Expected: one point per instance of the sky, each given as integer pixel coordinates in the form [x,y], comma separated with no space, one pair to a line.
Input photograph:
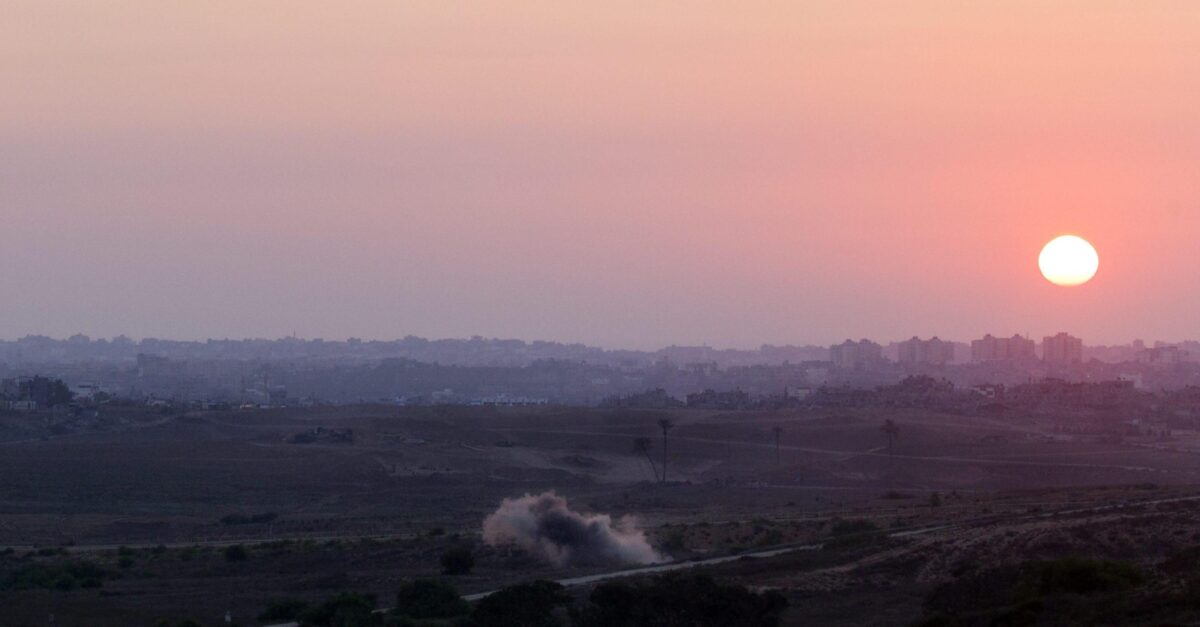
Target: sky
[626,174]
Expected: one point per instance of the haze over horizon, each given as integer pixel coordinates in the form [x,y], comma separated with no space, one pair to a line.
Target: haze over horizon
[627,176]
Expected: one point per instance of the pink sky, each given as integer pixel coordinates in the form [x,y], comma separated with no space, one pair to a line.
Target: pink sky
[722,173]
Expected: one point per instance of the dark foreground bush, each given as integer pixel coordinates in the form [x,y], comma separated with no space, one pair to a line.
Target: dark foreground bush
[1083,576]
[524,605]
[1070,590]
[63,576]
[677,599]
[283,609]
[427,598]
[347,609]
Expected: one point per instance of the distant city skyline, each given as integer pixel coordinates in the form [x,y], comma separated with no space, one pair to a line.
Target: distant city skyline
[1141,342]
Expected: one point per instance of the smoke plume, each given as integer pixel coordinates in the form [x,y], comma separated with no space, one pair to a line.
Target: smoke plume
[545,526]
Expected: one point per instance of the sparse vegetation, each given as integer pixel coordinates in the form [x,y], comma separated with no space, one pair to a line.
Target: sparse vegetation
[428,598]
[61,576]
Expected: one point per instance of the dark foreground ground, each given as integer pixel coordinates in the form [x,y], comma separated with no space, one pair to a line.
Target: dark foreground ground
[133,521]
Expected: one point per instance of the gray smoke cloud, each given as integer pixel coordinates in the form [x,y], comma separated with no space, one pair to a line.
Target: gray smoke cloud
[545,526]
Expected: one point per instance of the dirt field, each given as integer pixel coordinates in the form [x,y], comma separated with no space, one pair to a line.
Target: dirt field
[359,498]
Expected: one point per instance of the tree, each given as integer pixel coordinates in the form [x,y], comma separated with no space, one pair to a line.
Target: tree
[347,609]
[458,561]
[282,610]
[523,605]
[643,446]
[428,598]
[778,432]
[666,425]
[677,599]
[892,431]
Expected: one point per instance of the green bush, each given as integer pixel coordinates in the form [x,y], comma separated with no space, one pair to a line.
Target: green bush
[283,609]
[347,609]
[428,598]
[524,605]
[63,576]
[677,599]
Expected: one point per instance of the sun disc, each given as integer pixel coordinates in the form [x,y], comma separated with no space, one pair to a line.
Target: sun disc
[1068,260]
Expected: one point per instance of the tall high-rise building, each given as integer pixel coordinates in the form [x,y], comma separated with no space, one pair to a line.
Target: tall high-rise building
[1062,349]
[1015,348]
[860,355]
[931,352]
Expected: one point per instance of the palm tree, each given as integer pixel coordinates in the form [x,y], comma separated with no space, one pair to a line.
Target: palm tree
[666,425]
[643,446]
[778,432]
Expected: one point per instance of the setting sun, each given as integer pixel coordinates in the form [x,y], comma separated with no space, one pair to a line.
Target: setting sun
[1068,260]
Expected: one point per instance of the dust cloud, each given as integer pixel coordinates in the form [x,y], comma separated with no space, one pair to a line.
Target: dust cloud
[545,526]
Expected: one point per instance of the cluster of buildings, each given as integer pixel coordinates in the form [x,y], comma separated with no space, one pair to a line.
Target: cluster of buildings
[856,356]
[1060,349]
[991,349]
[931,352]
[33,393]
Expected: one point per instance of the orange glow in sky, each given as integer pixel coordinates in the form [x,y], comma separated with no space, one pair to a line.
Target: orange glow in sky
[624,173]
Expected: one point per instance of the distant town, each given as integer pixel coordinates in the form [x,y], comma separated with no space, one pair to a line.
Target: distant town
[41,373]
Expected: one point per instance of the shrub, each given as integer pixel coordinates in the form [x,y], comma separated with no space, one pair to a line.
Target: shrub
[428,598]
[848,527]
[236,553]
[1082,576]
[64,576]
[283,609]
[458,561]
[1069,590]
[676,599]
[347,609]
[524,605]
